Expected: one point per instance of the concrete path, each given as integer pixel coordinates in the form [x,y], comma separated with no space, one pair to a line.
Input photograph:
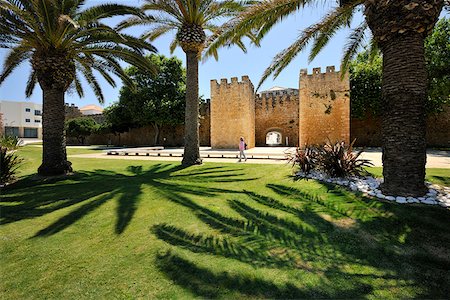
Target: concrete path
[435,158]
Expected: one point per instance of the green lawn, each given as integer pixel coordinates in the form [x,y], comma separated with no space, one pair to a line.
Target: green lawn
[141,229]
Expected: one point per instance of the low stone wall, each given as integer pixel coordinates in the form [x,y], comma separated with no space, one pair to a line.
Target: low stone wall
[169,136]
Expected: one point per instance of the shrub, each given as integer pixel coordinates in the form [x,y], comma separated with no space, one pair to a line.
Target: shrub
[306,159]
[9,163]
[338,160]
[10,142]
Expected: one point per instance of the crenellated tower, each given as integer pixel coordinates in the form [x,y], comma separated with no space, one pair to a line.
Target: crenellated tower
[232,113]
[324,109]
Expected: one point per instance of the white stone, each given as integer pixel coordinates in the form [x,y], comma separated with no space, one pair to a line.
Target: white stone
[429,201]
[390,198]
[372,193]
[413,200]
[381,196]
[432,192]
[400,199]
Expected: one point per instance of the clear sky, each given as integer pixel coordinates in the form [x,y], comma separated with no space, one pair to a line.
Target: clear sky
[232,61]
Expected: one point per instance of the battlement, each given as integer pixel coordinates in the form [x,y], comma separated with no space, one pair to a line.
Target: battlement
[269,100]
[318,72]
[245,81]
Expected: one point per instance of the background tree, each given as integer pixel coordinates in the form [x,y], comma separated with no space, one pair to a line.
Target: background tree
[366,75]
[80,128]
[189,19]
[398,29]
[63,41]
[158,99]
[437,57]
[365,85]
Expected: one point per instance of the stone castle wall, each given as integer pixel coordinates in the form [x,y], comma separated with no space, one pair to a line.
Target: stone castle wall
[277,113]
[324,107]
[367,131]
[232,113]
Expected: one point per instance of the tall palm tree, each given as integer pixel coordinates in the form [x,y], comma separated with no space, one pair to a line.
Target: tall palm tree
[62,40]
[189,19]
[398,29]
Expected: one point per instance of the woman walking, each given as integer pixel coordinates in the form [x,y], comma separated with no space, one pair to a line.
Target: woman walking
[242,146]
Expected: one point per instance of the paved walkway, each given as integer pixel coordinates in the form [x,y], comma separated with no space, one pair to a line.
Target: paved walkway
[435,158]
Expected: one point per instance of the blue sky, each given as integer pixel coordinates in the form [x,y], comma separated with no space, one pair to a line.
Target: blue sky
[232,61]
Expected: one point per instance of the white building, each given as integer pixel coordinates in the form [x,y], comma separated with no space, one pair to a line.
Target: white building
[279,91]
[91,109]
[22,119]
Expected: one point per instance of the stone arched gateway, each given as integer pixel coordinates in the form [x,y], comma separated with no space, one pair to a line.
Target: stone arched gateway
[319,111]
[274,138]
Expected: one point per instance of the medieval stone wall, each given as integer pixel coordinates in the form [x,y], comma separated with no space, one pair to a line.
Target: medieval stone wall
[277,113]
[232,113]
[367,131]
[324,107]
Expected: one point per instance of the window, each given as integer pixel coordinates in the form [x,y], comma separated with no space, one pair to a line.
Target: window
[30,132]
[37,112]
[27,120]
[27,109]
[37,121]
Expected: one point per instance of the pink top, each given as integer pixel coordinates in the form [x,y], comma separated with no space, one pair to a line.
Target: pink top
[241,145]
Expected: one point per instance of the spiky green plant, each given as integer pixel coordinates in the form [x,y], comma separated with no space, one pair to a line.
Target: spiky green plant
[195,24]
[9,163]
[398,29]
[64,41]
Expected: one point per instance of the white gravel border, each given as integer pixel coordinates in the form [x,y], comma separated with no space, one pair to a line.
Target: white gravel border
[369,186]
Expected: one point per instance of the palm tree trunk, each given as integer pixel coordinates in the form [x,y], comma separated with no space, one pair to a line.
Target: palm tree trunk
[191,132]
[54,158]
[404,92]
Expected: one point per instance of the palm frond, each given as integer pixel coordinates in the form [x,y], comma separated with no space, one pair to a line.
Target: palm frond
[332,22]
[31,84]
[354,43]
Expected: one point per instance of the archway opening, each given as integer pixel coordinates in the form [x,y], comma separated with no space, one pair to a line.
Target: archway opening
[274,138]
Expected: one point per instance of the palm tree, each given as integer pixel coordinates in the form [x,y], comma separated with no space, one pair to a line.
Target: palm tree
[189,19]
[398,29]
[62,41]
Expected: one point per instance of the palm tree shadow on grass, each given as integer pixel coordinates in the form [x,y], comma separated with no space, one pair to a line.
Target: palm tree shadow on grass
[89,190]
[206,283]
[381,249]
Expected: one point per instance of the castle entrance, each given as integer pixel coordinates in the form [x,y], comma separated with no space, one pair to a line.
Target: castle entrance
[274,138]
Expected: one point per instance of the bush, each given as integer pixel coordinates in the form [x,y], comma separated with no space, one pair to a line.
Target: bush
[306,159]
[80,128]
[336,160]
[10,142]
[9,163]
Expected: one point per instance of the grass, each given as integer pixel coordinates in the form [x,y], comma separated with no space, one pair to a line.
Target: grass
[143,229]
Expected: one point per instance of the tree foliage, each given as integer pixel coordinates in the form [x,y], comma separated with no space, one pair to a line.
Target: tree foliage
[157,99]
[366,74]
[80,128]
[365,85]
[437,55]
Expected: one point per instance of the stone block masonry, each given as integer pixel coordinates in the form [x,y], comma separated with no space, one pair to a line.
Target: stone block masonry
[324,111]
[277,113]
[232,113]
